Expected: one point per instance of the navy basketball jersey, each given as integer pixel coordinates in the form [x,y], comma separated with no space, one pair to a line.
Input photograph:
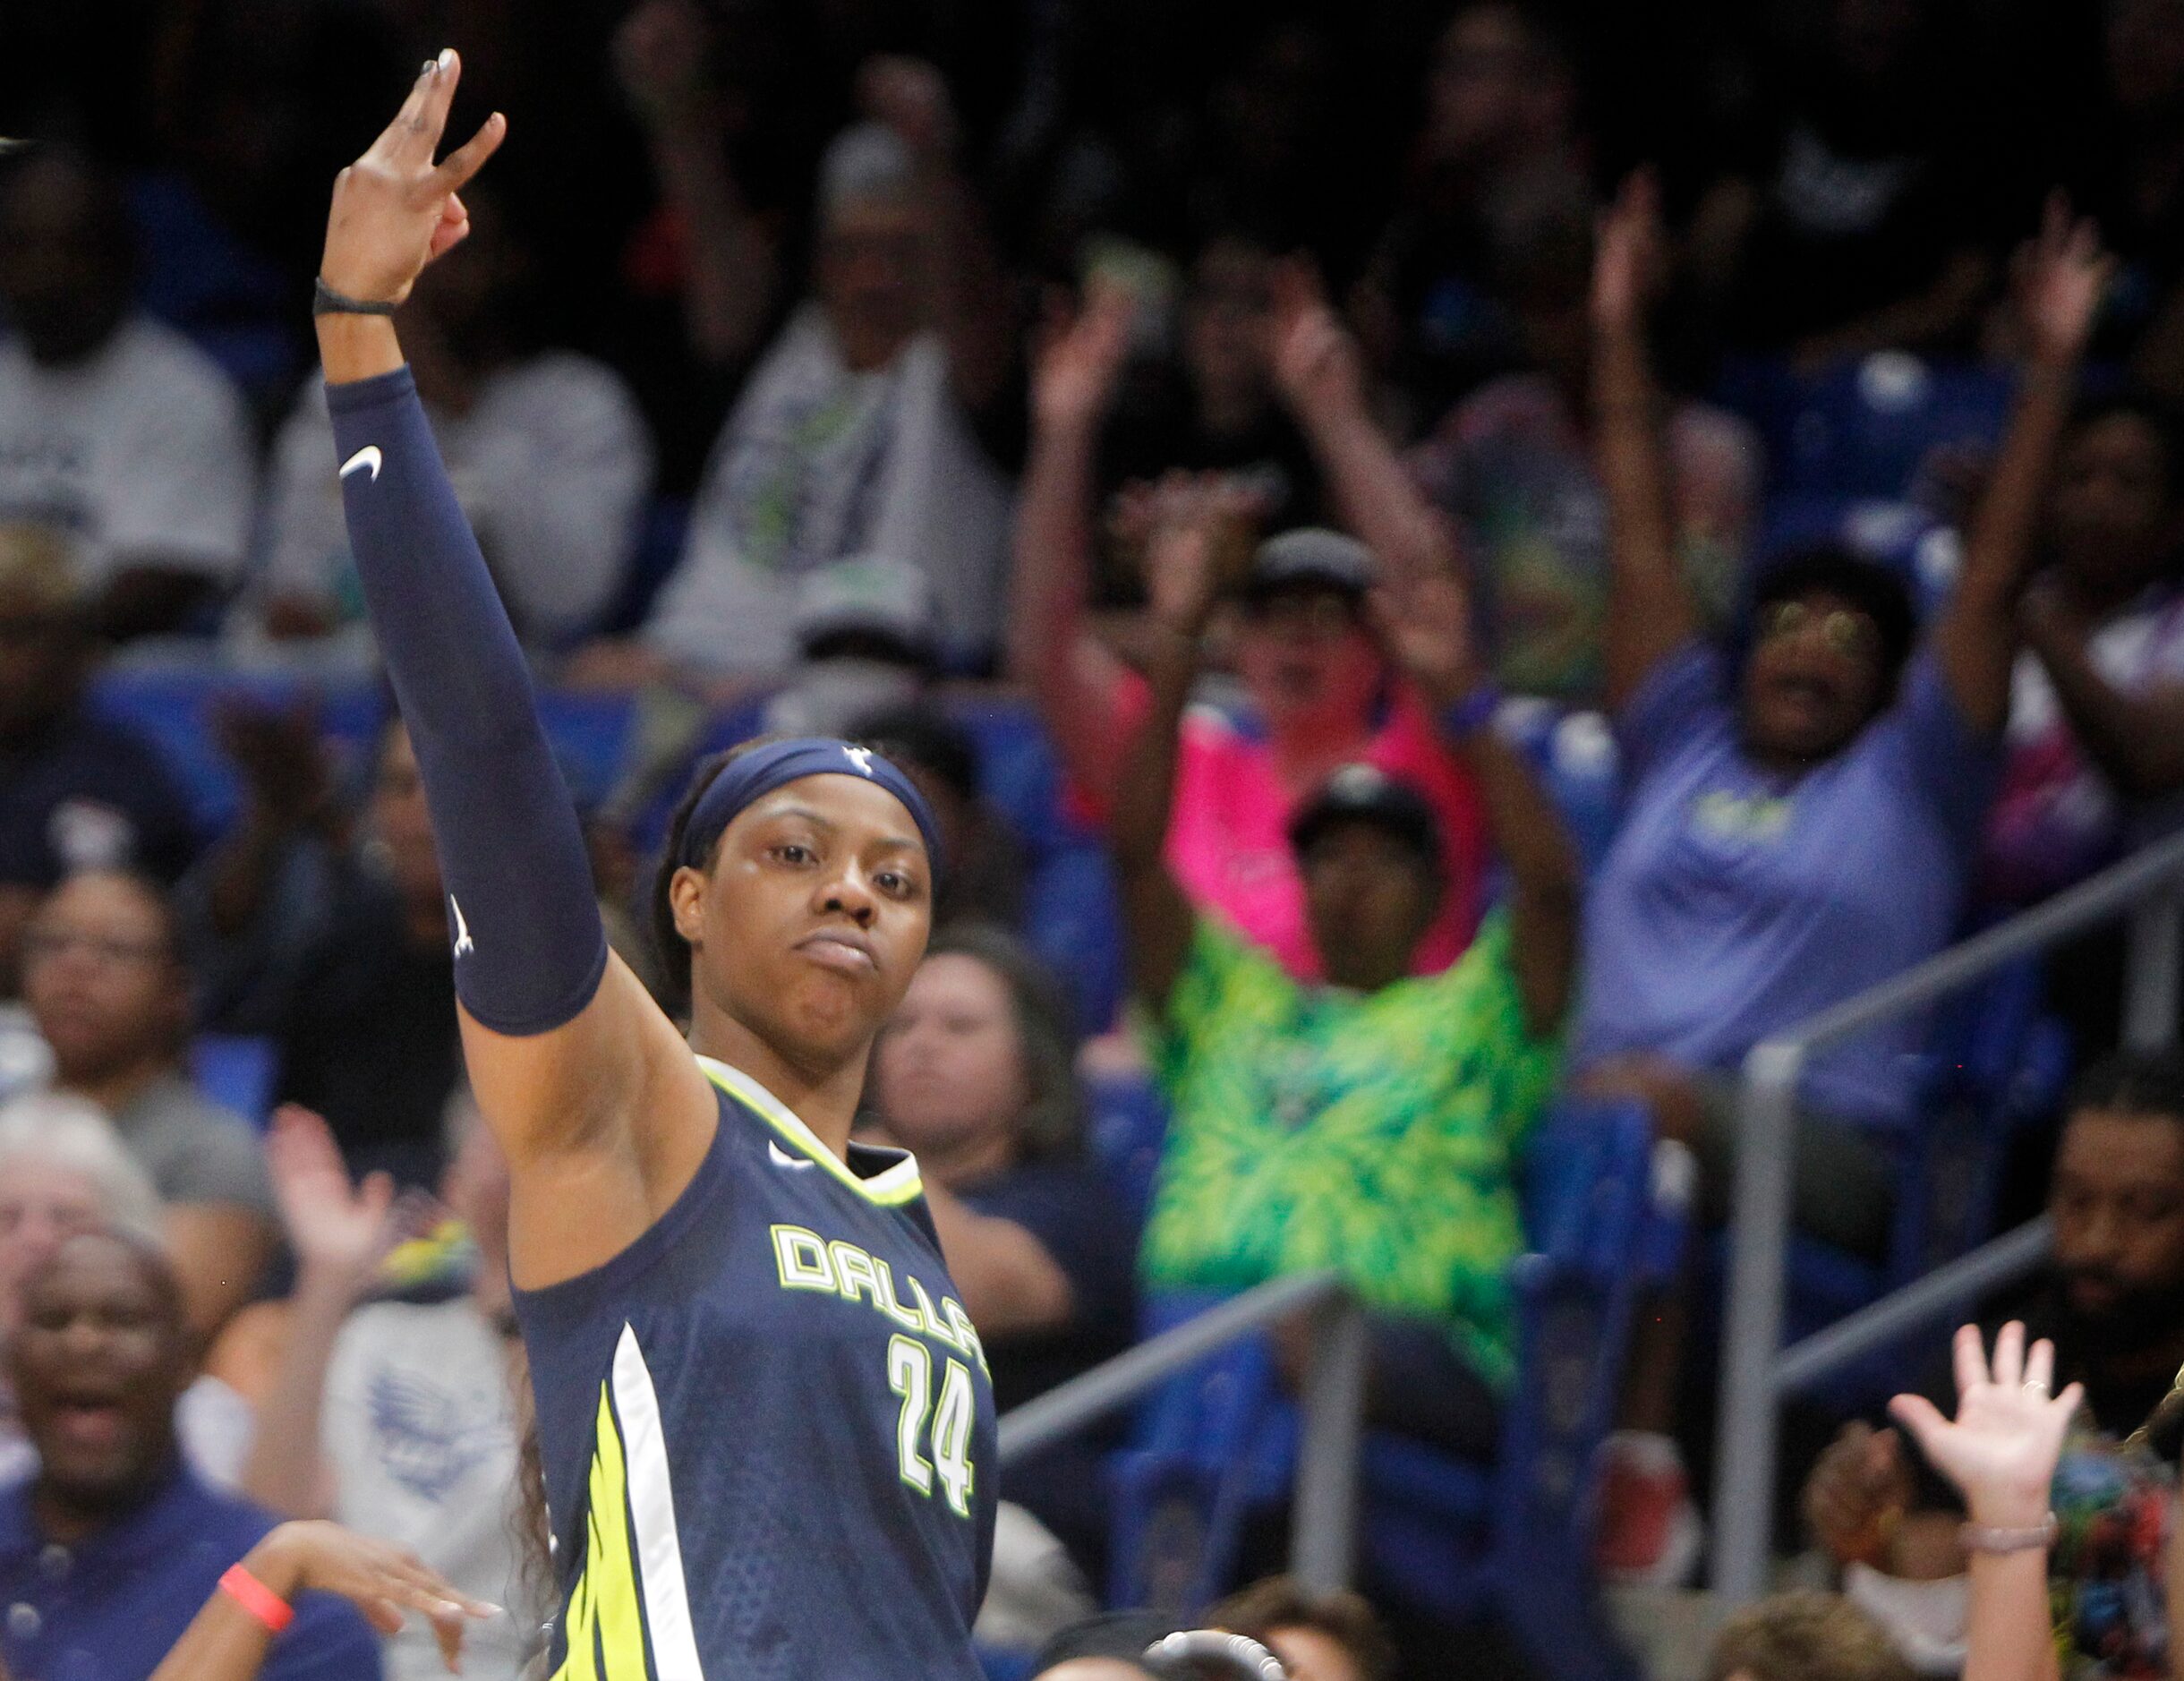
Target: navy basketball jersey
[767,1426]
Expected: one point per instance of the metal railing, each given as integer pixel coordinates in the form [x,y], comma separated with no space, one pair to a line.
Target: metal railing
[1323,1517]
[1756,1371]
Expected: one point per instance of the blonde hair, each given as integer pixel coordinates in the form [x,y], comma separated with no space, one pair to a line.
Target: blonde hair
[75,1134]
[1806,1635]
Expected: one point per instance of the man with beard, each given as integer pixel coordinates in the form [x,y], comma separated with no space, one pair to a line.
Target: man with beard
[2113,1303]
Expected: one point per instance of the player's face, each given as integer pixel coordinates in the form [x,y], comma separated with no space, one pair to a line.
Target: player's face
[42,1205]
[1305,654]
[813,918]
[950,1067]
[98,1364]
[1368,899]
[100,977]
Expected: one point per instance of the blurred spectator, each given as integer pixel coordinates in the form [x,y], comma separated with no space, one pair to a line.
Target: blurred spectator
[976,1076]
[115,430]
[1372,1124]
[106,1555]
[64,1171]
[1501,102]
[2097,700]
[75,793]
[1800,827]
[1858,215]
[2111,1301]
[1210,407]
[1804,1635]
[854,433]
[1318,1636]
[866,633]
[399,1419]
[336,948]
[1509,476]
[984,880]
[549,457]
[106,981]
[1320,693]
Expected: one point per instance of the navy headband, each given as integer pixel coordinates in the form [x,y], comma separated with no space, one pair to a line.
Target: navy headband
[758,772]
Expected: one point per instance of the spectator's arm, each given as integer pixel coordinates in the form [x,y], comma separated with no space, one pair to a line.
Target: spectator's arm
[228,1641]
[1181,562]
[1010,1283]
[2135,738]
[1649,614]
[2001,1450]
[1073,679]
[1428,627]
[967,299]
[734,261]
[220,1251]
[340,1233]
[1317,370]
[1975,640]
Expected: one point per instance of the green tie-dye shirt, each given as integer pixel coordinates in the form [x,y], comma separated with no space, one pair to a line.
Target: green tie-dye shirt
[1375,1134]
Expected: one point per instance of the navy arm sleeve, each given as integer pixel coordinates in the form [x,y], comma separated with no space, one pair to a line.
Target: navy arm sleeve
[529,945]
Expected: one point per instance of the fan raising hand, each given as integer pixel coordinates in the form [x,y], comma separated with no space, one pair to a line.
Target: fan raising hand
[394,209]
[2001,1448]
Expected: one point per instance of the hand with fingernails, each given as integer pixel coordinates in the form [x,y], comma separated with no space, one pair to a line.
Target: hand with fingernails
[394,209]
[2001,1450]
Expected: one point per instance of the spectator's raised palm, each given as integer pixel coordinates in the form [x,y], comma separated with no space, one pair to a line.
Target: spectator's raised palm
[1315,359]
[1627,255]
[2060,277]
[1081,356]
[1428,628]
[341,1231]
[2001,1448]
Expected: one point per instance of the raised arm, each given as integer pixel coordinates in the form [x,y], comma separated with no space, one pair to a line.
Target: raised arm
[1073,677]
[2001,1450]
[1322,382]
[339,1233]
[564,1046]
[1193,546]
[734,270]
[1649,614]
[1428,627]
[2060,277]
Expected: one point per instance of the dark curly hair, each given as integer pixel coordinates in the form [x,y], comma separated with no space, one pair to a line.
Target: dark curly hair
[1876,590]
[671,948]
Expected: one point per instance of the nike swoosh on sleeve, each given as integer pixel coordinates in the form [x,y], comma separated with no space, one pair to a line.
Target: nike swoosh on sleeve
[367,456]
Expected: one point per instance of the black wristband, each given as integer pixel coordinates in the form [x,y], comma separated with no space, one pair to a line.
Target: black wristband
[326,301]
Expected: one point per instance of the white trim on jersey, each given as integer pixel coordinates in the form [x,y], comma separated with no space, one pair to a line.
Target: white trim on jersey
[651,1516]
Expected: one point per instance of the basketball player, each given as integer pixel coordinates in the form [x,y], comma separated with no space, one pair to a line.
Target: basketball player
[765,1421]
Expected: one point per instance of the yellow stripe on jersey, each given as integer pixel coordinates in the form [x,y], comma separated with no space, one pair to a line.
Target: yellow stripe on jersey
[891,1190]
[632,1583]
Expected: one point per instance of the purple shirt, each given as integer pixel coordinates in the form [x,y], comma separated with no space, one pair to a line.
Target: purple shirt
[1736,902]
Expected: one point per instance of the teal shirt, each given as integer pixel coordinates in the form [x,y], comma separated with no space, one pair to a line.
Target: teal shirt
[1377,1135]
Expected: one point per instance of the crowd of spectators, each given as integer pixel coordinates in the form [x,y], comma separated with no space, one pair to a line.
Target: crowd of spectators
[1198,444]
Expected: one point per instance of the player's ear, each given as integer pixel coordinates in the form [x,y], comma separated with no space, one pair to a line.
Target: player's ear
[687,897]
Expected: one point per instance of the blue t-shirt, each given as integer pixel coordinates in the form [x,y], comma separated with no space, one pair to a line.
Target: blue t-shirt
[108,1607]
[1735,901]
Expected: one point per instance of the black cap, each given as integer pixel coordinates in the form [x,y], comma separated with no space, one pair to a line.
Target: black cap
[1312,557]
[1363,793]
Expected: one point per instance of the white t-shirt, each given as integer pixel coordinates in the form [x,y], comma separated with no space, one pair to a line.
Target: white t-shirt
[817,464]
[419,1428]
[551,464]
[142,450]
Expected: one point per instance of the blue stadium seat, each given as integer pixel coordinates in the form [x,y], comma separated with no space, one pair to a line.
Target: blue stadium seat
[1454,1539]
[238,1070]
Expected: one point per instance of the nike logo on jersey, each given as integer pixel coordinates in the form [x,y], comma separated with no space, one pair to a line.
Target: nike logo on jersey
[463,943]
[367,456]
[780,1157]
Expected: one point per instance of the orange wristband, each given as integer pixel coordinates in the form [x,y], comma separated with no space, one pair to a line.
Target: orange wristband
[259,1601]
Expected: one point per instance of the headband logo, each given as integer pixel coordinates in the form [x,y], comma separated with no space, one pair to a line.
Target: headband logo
[862,758]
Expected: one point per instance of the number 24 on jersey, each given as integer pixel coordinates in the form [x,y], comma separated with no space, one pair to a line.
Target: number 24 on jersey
[910,1374]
